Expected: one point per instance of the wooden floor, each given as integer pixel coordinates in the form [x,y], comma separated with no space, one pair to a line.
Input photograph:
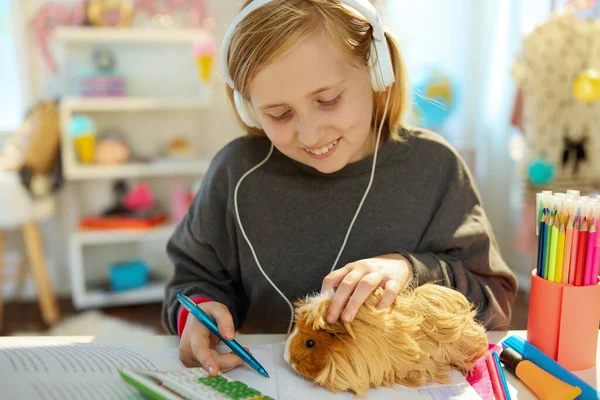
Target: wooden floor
[23,317]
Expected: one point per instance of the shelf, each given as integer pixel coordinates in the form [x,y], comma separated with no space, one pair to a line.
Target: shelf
[152,293]
[139,170]
[109,236]
[128,35]
[128,104]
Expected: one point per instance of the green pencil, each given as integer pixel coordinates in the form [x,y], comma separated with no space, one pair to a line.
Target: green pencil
[553,246]
[547,245]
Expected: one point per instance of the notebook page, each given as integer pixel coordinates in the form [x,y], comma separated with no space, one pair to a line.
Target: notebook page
[74,371]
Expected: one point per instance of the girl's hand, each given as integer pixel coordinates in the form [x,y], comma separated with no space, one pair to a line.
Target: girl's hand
[197,345]
[356,281]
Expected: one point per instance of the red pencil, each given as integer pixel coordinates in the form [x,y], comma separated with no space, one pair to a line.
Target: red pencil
[494,377]
[581,253]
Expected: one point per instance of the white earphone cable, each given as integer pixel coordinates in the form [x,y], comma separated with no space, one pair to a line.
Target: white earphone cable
[239,221]
[368,186]
[237,214]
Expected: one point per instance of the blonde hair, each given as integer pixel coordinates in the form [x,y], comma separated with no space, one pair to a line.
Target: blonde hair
[274,29]
[427,332]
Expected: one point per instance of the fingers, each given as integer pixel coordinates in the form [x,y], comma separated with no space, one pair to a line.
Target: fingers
[365,287]
[342,294]
[391,291]
[200,346]
[224,320]
[228,361]
[334,279]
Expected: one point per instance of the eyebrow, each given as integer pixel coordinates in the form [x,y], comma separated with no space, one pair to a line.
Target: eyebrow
[314,92]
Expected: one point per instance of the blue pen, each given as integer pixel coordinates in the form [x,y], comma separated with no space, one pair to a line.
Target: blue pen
[211,325]
[501,373]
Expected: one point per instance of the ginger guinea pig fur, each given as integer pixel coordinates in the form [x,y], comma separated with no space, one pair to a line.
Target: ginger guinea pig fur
[427,332]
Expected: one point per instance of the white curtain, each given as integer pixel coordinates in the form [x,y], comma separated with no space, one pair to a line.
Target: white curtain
[475,42]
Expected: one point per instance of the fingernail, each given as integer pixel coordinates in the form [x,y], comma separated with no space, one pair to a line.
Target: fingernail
[347,317]
[210,370]
[229,333]
[330,319]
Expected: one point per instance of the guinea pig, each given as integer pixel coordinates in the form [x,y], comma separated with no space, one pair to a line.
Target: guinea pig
[427,332]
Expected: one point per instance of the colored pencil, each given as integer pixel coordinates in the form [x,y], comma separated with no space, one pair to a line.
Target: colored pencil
[547,236]
[574,248]
[560,253]
[540,253]
[567,251]
[581,253]
[502,377]
[589,260]
[553,245]
[593,276]
[494,376]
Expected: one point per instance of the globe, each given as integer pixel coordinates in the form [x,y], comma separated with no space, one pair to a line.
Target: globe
[434,98]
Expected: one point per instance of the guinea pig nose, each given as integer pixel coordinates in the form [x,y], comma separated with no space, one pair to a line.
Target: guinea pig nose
[310,343]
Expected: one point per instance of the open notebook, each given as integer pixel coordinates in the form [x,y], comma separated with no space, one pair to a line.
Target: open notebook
[91,371]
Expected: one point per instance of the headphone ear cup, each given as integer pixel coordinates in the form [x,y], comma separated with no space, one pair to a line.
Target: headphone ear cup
[245,110]
[382,69]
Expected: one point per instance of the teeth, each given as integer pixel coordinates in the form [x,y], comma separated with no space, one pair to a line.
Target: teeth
[324,149]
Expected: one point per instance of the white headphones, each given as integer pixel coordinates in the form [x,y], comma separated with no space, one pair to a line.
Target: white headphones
[381,68]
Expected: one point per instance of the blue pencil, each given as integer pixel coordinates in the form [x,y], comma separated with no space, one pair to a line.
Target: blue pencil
[540,253]
[502,377]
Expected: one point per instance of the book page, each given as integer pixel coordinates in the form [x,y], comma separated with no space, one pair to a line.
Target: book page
[74,371]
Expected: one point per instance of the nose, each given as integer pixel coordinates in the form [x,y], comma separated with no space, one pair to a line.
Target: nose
[309,132]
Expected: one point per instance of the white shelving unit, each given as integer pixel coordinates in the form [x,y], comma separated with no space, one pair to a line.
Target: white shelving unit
[108,236]
[111,104]
[86,291]
[127,35]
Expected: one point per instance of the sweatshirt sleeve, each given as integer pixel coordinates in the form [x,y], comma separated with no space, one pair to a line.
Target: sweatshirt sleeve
[203,251]
[459,250]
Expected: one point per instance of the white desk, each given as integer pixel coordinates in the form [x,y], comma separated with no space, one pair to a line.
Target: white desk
[591,376]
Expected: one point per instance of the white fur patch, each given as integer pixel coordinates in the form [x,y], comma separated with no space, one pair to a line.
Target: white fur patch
[286,353]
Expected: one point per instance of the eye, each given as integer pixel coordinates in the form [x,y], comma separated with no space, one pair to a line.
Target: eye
[310,343]
[281,117]
[330,102]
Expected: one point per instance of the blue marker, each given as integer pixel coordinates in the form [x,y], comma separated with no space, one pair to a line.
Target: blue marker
[211,325]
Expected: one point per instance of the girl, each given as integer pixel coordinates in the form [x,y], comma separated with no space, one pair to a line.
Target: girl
[327,174]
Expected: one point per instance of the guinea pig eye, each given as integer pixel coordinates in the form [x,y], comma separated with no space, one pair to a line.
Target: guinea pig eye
[310,343]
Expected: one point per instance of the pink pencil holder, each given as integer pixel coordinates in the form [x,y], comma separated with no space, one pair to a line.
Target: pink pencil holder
[563,322]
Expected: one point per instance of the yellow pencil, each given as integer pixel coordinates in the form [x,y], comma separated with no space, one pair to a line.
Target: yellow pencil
[553,245]
[567,252]
[560,253]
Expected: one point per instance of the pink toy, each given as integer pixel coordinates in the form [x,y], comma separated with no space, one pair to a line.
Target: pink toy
[180,201]
[139,198]
[49,16]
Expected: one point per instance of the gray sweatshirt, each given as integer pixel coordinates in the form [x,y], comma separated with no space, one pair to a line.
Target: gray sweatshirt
[423,203]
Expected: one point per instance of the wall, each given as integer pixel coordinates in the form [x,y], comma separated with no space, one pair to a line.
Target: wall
[221,128]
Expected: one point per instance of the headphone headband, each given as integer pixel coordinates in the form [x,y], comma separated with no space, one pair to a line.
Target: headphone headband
[364,7]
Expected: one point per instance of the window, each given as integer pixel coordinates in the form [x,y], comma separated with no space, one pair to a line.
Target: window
[11,102]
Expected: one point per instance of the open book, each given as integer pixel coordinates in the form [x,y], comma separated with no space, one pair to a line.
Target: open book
[91,371]
[74,370]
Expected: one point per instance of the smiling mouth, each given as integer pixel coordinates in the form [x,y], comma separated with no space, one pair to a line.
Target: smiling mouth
[324,150]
